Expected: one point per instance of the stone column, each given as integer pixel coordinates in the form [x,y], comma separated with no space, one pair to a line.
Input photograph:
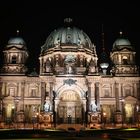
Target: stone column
[51,90]
[85,112]
[43,66]
[138,90]
[81,60]
[135,90]
[84,105]
[40,65]
[3,89]
[119,59]
[42,95]
[113,90]
[22,95]
[57,60]
[89,97]
[118,115]
[121,90]
[132,92]
[55,113]
[97,96]
[51,95]
[6,90]
[19,89]
[117,96]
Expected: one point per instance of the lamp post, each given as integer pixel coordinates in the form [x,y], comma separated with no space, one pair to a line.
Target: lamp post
[37,119]
[104,118]
[104,67]
[33,120]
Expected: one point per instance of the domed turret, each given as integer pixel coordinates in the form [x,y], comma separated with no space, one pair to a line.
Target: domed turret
[123,58]
[121,43]
[16,41]
[15,56]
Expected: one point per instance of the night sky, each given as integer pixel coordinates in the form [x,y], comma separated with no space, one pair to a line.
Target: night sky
[36,21]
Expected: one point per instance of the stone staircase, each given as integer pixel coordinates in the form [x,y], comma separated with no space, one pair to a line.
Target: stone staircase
[66,126]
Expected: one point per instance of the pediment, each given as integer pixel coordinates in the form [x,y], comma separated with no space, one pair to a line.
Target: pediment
[14,48]
[125,50]
[9,99]
[130,99]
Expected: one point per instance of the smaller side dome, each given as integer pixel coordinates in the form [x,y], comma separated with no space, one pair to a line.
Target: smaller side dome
[122,43]
[16,41]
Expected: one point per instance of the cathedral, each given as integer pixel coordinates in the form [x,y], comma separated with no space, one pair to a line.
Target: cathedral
[74,85]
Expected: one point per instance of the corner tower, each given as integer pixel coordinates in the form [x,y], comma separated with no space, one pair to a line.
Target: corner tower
[123,58]
[15,56]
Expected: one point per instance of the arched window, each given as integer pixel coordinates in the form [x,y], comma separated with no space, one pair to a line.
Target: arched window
[33,92]
[14,59]
[125,60]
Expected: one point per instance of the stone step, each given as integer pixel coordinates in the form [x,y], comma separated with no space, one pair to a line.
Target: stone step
[66,126]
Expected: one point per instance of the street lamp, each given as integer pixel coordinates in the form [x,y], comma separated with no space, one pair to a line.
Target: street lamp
[104,118]
[34,120]
[104,67]
[37,117]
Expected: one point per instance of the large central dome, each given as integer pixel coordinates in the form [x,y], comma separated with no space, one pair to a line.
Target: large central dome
[67,36]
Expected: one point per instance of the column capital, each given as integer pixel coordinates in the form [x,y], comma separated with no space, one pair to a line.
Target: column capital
[97,84]
[88,83]
[116,85]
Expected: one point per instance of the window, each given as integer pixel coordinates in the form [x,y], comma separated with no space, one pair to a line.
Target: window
[127,92]
[14,59]
[125,60]
[33,92]
[12,91]
[106,93]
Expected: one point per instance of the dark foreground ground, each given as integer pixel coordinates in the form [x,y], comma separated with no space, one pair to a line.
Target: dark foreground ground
[107,134]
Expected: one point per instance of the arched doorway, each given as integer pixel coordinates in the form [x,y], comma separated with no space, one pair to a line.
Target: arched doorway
[129,109]
[9,109]
[70,107]
[129,112]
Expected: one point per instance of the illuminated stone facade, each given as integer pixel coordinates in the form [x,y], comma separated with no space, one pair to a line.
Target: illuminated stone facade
[73,85]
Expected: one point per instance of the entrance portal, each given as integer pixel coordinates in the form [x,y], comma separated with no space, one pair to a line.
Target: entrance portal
[70,108]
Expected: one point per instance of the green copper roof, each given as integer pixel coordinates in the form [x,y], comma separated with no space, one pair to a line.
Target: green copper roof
[122,43]
[67,36]
[16,41]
